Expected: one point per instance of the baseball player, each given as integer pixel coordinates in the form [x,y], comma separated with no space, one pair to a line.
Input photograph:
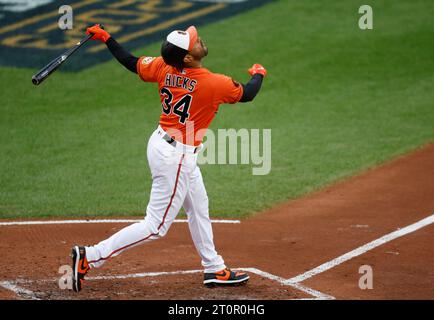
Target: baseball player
[190,98]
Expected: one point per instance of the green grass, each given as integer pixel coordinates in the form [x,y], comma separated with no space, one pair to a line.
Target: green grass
[338,100]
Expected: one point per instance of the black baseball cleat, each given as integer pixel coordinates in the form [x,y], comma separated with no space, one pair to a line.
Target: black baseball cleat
[80,267]
[225,277]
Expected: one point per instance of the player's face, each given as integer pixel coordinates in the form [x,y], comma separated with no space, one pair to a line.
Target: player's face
[200,50]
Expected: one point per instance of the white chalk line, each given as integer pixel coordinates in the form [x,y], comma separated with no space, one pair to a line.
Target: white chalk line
[19,291]
[316,294]
[361,250]
[143,275]
[48,222]
[28,294]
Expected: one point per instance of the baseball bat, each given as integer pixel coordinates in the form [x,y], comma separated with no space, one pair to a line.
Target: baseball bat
[57,62]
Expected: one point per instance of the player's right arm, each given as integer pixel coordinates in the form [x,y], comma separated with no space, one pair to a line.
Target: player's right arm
[123,56]
[148,68]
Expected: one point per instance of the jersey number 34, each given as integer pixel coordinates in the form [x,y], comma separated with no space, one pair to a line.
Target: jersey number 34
[180,108]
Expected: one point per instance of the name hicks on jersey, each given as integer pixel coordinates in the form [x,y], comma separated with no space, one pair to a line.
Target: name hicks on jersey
[173,80]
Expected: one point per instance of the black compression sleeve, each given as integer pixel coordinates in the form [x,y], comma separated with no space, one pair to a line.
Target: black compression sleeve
[251,88]
[124,57]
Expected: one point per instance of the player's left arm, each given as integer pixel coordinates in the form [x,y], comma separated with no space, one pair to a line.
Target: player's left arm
[229,91]
[251,88]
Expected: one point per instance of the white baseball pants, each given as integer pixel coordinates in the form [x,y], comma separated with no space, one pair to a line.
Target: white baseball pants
[176,181]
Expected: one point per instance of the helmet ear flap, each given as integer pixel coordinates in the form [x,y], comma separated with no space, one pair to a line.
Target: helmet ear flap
[173,55]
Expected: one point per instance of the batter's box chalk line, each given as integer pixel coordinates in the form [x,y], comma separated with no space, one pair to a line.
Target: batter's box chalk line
[400,232]
[16,285]
[90,221]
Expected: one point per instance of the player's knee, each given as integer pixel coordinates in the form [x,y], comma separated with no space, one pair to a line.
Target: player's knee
[159,230]
[163,230]
[152,225]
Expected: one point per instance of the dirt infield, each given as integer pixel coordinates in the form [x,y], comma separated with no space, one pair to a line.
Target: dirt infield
[277,247]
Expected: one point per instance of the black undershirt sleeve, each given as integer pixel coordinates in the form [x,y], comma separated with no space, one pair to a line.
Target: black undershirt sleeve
[251,88]
[124,57]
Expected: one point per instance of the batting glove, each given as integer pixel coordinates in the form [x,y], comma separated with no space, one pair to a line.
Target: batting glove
[257,69]
[98,33]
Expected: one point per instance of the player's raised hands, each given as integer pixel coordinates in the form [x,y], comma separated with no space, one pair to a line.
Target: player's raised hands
[98,33]
[257,69]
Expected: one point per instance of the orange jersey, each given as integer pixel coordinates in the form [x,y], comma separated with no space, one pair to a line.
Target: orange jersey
[189,99]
